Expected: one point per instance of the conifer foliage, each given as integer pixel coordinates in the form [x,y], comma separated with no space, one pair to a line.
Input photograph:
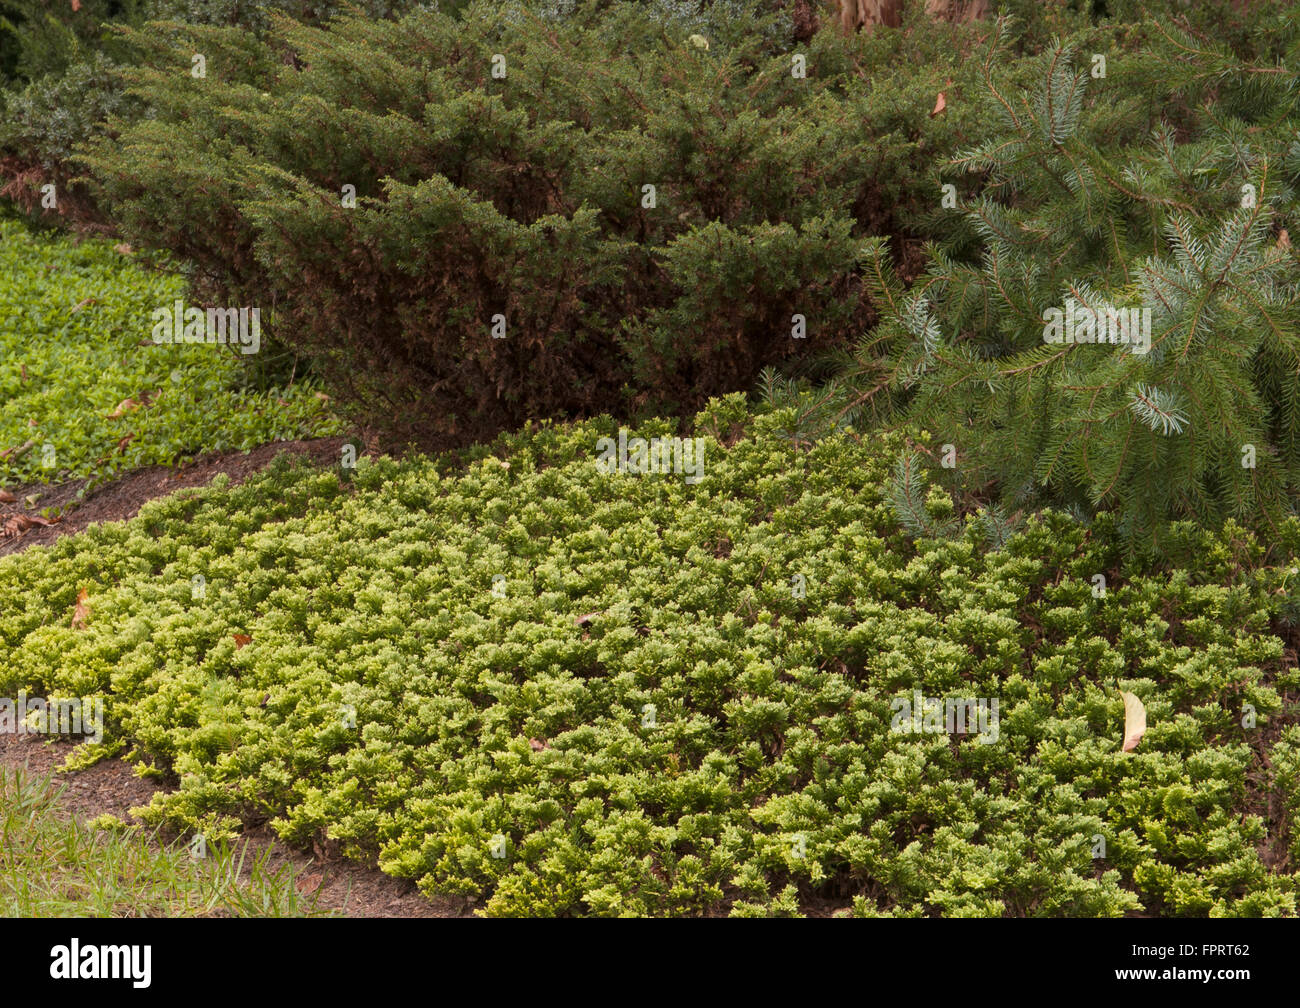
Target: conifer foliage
[472,222]
[1110,321]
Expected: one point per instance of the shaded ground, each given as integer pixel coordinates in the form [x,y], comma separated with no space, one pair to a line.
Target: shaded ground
[21,523]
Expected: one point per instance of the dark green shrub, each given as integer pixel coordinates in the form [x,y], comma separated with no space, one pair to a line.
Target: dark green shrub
[42,124]
[43,37]
[523,197]
[59,82]
[39,38]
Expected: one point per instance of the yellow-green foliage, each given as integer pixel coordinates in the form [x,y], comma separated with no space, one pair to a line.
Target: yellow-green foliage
[768,770]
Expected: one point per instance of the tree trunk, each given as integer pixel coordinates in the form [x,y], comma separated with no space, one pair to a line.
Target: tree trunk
[855,14]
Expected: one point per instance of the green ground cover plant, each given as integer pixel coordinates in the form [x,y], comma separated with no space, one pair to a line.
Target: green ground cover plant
[511,675]
[75,326]
[514,676]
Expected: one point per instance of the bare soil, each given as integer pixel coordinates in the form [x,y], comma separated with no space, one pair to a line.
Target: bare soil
[122,498]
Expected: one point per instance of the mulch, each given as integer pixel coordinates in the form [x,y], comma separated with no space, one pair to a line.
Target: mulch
[119,500]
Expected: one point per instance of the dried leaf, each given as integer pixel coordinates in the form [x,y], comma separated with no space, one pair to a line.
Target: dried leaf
[123,408]
[537,745]
[121,445]
[1135,721]
[1284,240]
[123,248]
[242,640]
[585,618]
[7,498]
[940,104]
[82,612]
[309,884]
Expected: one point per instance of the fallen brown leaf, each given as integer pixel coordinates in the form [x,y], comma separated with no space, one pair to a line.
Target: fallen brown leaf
[7,498]
[16,525]
[308,884]
[82,612]
[242,640]
[123,408]
[940,104]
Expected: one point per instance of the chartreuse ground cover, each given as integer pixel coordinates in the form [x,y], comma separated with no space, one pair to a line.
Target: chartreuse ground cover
[562,691]
[83,391]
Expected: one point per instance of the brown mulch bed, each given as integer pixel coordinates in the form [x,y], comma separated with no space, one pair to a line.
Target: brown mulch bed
[122,498]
